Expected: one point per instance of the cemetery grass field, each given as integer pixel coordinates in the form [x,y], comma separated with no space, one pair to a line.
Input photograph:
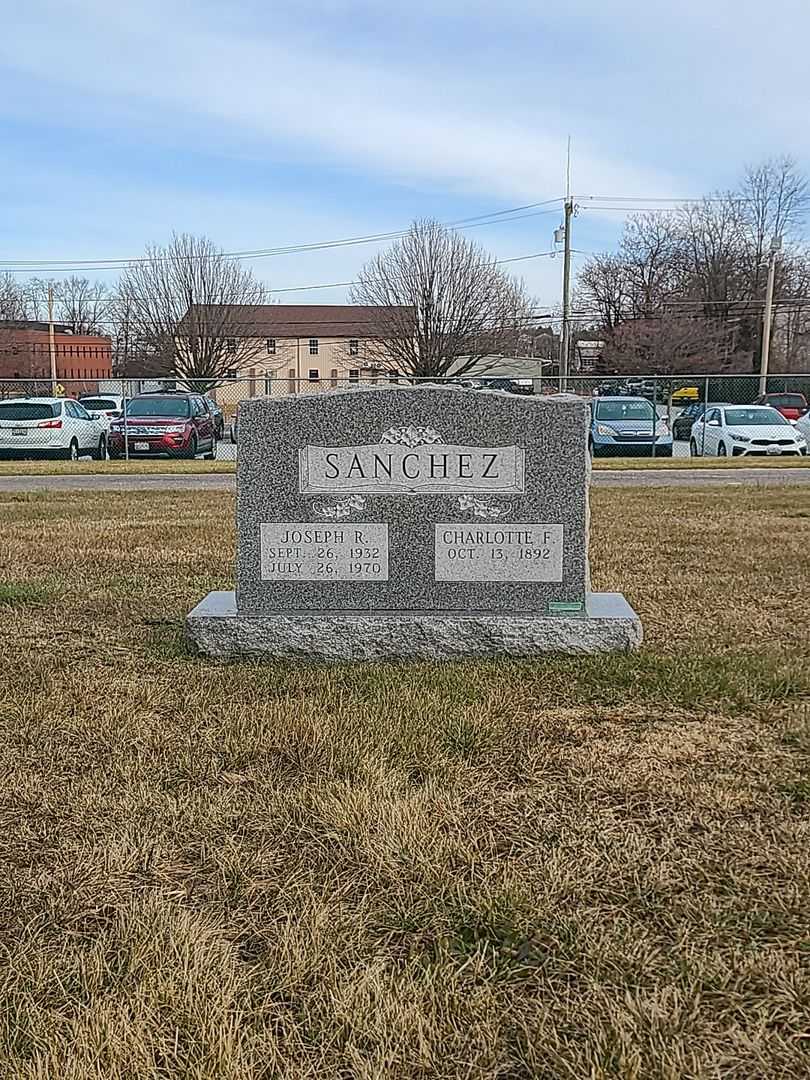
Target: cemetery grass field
[570,868]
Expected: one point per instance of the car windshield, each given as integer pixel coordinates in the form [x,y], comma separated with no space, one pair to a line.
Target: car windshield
[29,410]
[787,401]
[755,418]
[624,410]
[159,406]
[98,403]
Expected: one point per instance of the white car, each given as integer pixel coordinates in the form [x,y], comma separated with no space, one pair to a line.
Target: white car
[50,427]
[107,406]
[802,427]
[744,431]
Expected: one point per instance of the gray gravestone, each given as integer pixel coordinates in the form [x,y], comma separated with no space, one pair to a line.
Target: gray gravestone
[412,521]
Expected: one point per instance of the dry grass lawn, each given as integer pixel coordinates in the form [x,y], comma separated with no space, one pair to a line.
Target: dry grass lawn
[567,869]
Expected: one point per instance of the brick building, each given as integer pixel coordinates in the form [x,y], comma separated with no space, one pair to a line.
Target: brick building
[81,359]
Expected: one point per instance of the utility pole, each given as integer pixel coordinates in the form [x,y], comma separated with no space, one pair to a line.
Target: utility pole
[767,317]
[51,341]
[565,339]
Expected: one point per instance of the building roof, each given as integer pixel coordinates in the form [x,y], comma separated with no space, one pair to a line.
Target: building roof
[33,324]
[302,320]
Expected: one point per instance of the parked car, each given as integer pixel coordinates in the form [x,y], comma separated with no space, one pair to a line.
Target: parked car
[50,427]
[802,427]
[610,388]
[791,406]
[625,426]
[511,386]
[219,418]
[745,430]
[107,406]
[685,394]
[174,425]
[682,424]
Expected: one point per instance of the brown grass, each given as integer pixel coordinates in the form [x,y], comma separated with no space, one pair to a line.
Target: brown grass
[571,868]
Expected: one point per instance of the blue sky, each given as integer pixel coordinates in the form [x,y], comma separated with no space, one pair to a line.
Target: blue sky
[264,125]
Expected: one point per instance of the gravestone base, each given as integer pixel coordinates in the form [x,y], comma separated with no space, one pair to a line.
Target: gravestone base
[218,629]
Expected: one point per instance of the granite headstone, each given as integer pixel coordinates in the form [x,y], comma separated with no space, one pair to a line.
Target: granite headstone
[404,521]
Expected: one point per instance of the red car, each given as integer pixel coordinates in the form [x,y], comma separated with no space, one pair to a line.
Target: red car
[791,406]
[174,425]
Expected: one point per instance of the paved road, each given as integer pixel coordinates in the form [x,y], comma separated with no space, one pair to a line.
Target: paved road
[227,481]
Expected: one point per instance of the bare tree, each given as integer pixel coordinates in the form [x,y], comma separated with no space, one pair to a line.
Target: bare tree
[441,306]
[13,300]
[667,345]
[652,256]
[81,304]
[190,308]
[774,199]
[603,285]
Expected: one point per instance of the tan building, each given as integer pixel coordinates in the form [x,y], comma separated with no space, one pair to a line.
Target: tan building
[301,348]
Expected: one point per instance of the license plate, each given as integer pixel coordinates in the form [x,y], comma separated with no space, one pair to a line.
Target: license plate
[19,431]
[140,446]
[774,450]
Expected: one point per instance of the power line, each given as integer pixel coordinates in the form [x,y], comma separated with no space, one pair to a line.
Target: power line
[664,199]
[65,265]
[79,302]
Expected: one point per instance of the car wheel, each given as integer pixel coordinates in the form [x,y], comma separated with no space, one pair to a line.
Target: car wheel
[693,450]
[721,450]
[100,453]
[212,454]
[72,452]
[191,452]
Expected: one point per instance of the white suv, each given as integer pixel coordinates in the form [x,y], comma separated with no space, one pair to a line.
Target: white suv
[50,427]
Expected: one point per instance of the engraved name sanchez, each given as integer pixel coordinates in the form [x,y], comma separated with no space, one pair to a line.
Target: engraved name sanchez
[401,470]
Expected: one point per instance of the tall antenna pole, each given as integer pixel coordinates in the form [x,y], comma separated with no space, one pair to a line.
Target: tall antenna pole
[565,339]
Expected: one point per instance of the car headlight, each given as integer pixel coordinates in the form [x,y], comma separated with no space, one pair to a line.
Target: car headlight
[740,438]
[661,428]
[801,443]
[602,429]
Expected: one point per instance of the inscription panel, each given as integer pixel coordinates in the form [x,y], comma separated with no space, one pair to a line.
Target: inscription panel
[439,468]
[314,551]
[513,552]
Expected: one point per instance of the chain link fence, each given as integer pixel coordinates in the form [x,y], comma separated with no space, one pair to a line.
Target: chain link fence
[684,417]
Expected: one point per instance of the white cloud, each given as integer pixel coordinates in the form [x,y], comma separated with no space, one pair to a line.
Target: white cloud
[458,130]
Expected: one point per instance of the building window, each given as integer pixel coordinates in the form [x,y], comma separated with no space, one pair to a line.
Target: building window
[393,376]
[354,375]
[291,377]
[314,374]
[268,385]
[354,347]
[333,377]
[230,345]
[313,346]
[232,373]
[271,346]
